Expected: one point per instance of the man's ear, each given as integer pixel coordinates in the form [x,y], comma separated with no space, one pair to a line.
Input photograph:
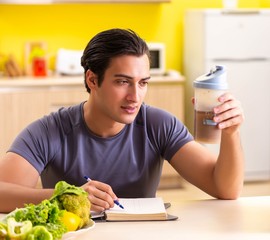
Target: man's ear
[91,79]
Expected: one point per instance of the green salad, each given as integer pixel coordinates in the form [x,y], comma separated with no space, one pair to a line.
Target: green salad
[44,221]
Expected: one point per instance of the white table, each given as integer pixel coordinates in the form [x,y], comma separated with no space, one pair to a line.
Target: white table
[242,219]
[245,218]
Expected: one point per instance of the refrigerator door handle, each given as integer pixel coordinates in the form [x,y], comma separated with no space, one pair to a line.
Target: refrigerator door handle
[240,12]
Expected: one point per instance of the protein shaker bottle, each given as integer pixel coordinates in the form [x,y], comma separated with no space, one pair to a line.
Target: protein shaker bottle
[208,88]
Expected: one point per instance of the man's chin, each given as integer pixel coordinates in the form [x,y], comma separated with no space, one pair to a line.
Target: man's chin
[128,120]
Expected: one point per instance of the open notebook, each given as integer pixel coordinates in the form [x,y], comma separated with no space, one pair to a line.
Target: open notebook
[137,209]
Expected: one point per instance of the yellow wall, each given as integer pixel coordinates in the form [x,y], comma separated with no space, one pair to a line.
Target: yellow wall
[72,25]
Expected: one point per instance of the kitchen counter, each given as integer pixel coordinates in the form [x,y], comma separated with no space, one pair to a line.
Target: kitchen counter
[58,80]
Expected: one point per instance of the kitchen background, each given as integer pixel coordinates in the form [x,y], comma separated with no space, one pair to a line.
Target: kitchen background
[72,25]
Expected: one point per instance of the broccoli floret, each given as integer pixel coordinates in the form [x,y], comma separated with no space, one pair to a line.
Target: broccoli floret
[73,199]
[77,204]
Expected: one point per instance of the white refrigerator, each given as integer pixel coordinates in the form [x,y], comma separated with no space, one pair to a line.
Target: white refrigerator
[240,40]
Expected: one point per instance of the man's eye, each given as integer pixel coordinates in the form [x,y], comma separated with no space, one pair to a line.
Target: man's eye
[122,82]
[144,83]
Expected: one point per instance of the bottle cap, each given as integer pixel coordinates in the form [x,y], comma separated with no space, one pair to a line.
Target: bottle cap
[215,79]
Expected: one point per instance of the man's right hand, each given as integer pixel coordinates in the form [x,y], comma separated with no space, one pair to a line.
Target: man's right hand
[100,195]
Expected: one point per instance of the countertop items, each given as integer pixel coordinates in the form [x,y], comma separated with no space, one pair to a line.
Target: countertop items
[11,67]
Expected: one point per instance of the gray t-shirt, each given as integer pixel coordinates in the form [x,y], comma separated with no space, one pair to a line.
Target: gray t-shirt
[61,147]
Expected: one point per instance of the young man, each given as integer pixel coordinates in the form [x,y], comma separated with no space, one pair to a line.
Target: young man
[116,140]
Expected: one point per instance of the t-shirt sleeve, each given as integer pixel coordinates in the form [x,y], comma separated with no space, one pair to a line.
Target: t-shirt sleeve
[167,133]
[36,143]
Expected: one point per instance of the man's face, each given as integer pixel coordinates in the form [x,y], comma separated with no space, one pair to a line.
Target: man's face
[123,89]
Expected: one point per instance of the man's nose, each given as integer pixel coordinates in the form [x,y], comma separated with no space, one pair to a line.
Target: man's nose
[133,93]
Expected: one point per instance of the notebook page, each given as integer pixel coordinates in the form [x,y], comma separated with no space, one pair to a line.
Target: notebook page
[139,206]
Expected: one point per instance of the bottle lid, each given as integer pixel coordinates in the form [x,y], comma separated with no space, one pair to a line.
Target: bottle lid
[215,79]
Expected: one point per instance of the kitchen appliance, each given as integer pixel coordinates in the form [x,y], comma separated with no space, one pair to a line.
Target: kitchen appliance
[238,39]
[158,61]
[68,62]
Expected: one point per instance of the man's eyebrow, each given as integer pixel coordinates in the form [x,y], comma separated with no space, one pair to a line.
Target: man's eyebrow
[129,77]
[147,78]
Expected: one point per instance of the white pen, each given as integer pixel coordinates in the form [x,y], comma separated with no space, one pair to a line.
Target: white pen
[88,179]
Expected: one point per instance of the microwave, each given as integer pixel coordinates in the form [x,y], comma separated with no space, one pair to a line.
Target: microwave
[157,58]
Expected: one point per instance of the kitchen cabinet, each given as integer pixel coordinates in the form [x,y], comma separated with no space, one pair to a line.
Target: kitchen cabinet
[168,95]
[21,102]
[25,100]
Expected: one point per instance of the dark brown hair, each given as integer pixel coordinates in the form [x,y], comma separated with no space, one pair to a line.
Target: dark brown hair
[109,44]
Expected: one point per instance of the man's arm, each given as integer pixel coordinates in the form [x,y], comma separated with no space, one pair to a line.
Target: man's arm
[15,196]
[18,180]
[229,171]
[222,176]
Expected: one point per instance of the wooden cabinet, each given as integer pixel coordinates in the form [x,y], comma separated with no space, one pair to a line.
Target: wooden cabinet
[19,108]
[168,95]
[23,101]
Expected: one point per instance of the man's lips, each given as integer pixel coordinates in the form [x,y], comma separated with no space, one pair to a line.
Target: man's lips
[129,109]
